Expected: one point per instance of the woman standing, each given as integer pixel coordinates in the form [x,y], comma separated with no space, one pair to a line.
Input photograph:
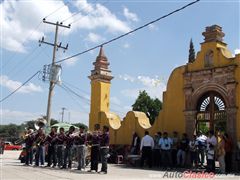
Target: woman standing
[221,153]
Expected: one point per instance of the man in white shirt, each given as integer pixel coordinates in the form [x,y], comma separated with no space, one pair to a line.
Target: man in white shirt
[211,145]
[146,147]
[166,143]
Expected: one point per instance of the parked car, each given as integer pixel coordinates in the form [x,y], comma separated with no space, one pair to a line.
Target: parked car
[11,146]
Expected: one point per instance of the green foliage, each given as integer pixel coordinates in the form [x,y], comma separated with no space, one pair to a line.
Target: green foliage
[191,56]
[149,106]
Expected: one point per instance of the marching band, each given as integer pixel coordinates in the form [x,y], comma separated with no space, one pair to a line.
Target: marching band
[61,148]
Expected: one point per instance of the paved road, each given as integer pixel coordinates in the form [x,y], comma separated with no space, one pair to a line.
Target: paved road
[12,169]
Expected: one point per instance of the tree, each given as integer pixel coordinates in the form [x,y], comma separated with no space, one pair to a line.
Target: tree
[191,56]
[149,106]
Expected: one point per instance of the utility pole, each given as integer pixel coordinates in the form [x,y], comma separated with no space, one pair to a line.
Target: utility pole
[63,109]
[55,48]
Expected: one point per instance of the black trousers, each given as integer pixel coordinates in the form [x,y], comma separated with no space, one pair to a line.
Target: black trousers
[104,158]
[156,157]
[52,155]
[29,155]
[228,162]
[94,157]
[146,154]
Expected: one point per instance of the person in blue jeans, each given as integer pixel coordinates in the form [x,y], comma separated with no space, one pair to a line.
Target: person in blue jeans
[40,149]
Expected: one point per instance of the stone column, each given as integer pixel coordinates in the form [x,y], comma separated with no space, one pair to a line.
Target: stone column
[232,132]
[190,119]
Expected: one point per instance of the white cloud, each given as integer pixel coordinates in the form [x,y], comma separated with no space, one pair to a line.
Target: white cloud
[126,45]
[237,51]
[129,15]
[19,19]
[153,86]
[127,77]
[17,117]
[95,38]
[12,85]
[152,27]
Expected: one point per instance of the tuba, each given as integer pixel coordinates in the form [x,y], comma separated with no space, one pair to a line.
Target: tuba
[40,123]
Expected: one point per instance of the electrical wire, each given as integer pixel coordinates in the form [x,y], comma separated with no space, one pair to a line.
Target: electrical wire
[56,10]
[130,32]
[88,100]
[82,9]
[19,87]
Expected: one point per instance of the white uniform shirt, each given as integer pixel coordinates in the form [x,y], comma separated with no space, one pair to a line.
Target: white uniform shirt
[147,141]
[165,143]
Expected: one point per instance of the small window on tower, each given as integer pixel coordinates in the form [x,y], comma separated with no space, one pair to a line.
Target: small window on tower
[208,61]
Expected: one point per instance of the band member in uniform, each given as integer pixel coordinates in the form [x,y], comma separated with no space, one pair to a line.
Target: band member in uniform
[80,143]
[52,158]
[95,146]
[61,137]
[29,147]
[68,149]
[104,149]
[40,149]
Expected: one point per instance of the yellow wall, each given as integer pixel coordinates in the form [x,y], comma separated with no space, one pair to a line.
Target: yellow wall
[100,92]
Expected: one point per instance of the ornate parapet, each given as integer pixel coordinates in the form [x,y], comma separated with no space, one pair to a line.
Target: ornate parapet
[121,131]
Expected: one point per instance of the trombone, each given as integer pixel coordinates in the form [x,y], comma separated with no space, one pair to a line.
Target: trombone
[40,123]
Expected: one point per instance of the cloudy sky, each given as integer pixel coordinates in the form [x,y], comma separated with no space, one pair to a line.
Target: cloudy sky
[141,61]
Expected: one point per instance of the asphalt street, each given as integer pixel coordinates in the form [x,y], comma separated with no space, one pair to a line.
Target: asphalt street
[12,169]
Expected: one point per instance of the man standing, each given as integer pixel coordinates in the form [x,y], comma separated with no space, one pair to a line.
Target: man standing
[95,143]
[211,145]
[29,147]
[40,149]
[104,149]
[201,138]
[51,147]
[80,141]
[61,137]
[156,150]
[146,147]
[166,143]
[68,149]
[183,148]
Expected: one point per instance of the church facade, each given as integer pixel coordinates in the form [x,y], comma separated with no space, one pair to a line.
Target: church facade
[201,95]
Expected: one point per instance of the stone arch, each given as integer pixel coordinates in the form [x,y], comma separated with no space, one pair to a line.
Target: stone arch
[199,92]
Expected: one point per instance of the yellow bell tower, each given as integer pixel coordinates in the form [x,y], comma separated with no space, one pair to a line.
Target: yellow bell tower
[100,88]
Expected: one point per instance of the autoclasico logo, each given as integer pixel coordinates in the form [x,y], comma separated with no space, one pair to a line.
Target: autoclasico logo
[188,174]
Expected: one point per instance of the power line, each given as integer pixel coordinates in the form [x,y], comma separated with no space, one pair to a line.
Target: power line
[82,9]
[130,32]
[19,87]
[56,10]
[106,2]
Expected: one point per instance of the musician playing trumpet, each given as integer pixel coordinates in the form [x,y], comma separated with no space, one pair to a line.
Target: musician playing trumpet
[29,140]
[60,139]
[52,158]
[40,148]
[80,142]
[95,147]
[69,148]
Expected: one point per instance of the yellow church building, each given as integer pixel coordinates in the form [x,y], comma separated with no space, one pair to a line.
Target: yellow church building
[203,93]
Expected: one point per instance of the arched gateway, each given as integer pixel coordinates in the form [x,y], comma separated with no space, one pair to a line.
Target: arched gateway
[211,113]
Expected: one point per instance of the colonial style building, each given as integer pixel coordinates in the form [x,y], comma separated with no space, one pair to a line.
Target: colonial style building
[201,95]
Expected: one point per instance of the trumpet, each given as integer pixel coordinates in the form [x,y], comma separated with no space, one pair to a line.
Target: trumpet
[40,123]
